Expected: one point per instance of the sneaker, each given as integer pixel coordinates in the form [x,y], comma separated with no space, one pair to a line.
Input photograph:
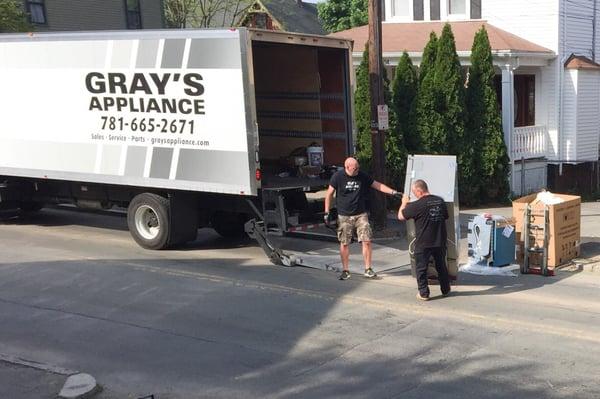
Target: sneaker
[345,275]
[422,298]
[369,273]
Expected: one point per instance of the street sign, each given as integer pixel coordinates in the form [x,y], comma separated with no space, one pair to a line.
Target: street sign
[382,117]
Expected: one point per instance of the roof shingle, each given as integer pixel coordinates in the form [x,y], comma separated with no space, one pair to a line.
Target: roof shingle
[294,17]
[412,37]
[581,62]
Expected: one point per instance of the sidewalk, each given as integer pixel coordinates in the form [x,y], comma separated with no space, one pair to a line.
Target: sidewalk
[22,382]
[27,379]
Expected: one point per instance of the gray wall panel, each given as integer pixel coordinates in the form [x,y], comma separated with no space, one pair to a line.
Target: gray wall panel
[213,166]
[111,158]
[136,159]
[146,56]
[161,162]
[173,53]
[207,53]
[121,54]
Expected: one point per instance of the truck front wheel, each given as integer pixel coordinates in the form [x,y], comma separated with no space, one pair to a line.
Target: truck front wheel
[148,220]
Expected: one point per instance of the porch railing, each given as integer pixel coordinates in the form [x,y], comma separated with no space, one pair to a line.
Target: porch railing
[529,142]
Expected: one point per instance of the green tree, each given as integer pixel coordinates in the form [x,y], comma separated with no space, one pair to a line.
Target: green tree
[359,12]
[13,17]
[404,94]
[338,15]
[449,81]
[427,118]
[335,15]
[429,54]
[484,123]
[362,109]
[395,152]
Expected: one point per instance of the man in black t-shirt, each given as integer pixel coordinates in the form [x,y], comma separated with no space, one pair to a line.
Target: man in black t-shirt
[429,213]
[352,189]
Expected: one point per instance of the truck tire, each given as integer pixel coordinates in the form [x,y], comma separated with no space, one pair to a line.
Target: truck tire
[29,207]
[229,224]
[148,220]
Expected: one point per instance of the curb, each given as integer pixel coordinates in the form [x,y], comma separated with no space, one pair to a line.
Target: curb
[77,385]
[574,266]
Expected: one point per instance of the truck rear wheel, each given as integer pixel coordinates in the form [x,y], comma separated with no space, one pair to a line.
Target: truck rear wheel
[30,206]
[229,224]
[148,220]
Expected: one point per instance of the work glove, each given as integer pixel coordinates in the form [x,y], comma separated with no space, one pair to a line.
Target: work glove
[330,218]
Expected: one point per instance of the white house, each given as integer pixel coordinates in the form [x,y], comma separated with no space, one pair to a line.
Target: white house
[548,79]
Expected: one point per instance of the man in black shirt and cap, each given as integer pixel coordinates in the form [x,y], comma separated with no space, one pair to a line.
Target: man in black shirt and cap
[429,213]
[352,189]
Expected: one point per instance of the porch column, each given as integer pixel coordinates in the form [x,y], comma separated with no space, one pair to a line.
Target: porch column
[508,106]
[508,117]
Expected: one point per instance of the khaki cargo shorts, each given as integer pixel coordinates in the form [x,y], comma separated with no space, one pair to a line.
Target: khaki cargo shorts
[346,225]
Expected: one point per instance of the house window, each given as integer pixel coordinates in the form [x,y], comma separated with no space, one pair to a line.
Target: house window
[457,7]
[134,15]
[260,20]
[418,10]
[475,9]
[37,11]
[434,10]
[400,8]
[524,97]
[524,100]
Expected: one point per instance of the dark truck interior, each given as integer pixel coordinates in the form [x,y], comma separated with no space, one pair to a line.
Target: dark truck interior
[304,125]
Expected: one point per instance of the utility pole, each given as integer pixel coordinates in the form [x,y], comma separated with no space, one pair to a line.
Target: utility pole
[378,208]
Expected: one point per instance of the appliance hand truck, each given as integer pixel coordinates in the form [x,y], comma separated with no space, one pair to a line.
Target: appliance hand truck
[531,236]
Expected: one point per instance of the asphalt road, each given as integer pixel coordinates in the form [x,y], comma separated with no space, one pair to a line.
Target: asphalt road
[216,320]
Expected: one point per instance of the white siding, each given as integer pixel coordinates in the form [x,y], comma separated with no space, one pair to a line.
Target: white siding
[588,115]
[534,20]
[546,114]
[579,27]
[569,136]
[596,40]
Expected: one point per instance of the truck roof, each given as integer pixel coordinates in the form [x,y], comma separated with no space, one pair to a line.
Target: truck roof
[254,34]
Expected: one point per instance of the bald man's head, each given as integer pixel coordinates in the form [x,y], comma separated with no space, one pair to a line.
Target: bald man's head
[420,188]
[351,166]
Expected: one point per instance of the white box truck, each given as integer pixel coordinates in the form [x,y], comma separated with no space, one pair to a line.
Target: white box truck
[184,128]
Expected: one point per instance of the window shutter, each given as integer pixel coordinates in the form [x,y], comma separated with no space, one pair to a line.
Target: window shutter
[475,9]
[434,14]
[418,10]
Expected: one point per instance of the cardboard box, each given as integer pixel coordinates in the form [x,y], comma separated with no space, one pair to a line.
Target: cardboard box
[564,226]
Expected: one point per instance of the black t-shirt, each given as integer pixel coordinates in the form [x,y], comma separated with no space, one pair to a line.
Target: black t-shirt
[430,214]
[351,192]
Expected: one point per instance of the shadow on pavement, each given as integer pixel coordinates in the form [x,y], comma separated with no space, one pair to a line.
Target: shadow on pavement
[590,247]
[215,328]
